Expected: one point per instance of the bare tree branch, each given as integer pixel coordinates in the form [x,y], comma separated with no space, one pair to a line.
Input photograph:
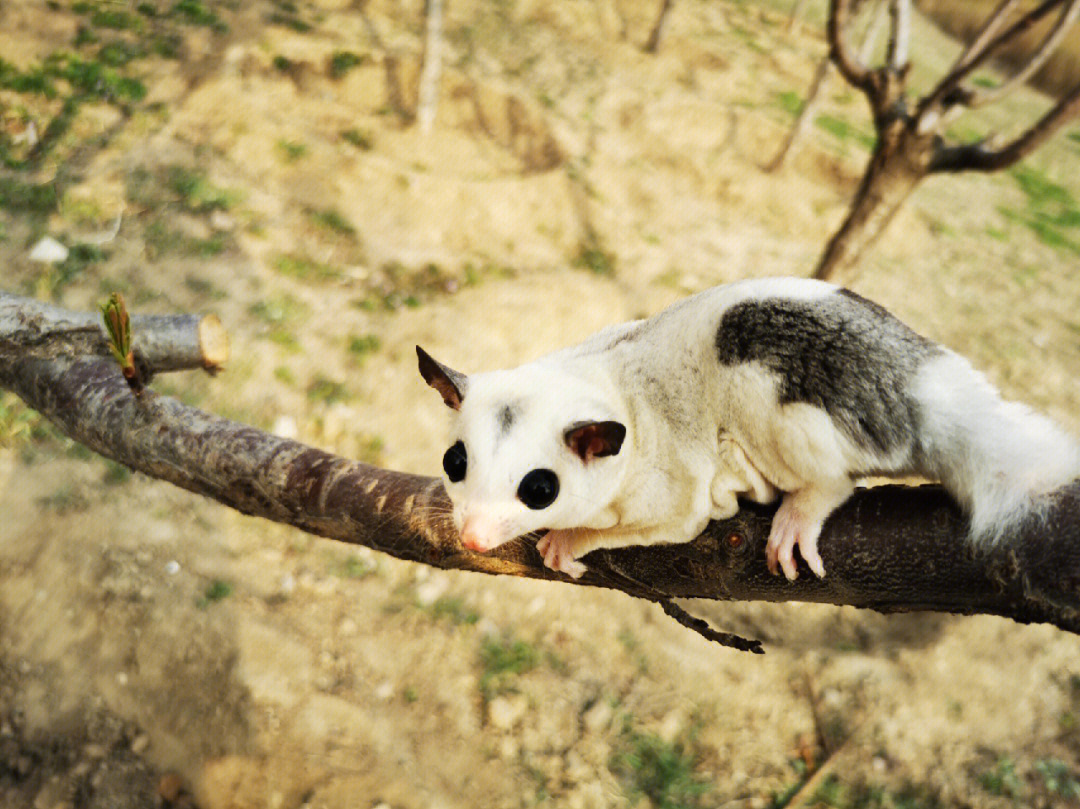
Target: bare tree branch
[948,91]
[652,44]
[431,72]
[978,97]
[817,89]
[891,548]
[977,157]
[899,34]
[853,69]
[985,35]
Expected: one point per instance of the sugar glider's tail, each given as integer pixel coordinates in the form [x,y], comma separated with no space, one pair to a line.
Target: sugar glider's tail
[999,459]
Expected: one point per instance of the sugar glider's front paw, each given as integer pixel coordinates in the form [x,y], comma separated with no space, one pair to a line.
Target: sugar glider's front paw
[557,548]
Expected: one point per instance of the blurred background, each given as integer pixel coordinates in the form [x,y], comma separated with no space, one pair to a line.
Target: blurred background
[264,161]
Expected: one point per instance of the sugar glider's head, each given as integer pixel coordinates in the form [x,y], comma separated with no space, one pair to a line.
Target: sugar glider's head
[532,448]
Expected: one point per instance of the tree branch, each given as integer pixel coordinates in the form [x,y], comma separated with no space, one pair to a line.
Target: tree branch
[977,157]
[853,69]
[979,97]
[948,91]
[899,34]
[888,548]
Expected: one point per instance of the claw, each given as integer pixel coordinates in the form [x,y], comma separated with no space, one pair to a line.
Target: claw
[791,527]
[557,548]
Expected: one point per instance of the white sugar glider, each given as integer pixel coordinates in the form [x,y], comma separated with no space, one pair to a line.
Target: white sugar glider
[649,429]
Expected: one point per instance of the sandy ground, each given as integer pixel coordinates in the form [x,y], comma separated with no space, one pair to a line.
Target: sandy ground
[156,649]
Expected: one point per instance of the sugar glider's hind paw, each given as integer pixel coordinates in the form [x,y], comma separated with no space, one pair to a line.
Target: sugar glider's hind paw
[557,548]
[789,528]
[799,521]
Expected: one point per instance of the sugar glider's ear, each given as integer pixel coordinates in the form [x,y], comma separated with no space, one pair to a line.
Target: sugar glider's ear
[595,439]
[449,383]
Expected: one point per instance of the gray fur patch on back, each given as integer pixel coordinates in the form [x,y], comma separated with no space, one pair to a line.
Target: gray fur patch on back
[842,353]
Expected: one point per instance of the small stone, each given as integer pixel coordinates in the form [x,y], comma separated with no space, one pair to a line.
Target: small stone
[139,744]
[384,691]
[285,427]
[172,567]
[48,251]
[505,712]
[598,718]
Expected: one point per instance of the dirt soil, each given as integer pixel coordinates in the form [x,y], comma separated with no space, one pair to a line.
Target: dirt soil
[159,650]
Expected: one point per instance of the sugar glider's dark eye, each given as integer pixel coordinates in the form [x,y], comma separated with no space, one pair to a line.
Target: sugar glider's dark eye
[455,462]
[538,489]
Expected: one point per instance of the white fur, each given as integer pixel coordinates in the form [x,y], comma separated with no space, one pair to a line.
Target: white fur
[997,458]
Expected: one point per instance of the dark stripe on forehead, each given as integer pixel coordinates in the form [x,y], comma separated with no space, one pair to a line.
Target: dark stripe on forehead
[506,417]
[841,353]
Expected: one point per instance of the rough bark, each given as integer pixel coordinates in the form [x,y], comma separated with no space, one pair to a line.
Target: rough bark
[890,549]
[899,162]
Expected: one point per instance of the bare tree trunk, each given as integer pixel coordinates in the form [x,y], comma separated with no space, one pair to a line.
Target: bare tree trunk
[891,548]
[652,44]
[887,183]
[431,73]
[806,115]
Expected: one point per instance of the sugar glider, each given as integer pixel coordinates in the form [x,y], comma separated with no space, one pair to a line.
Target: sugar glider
[757,389]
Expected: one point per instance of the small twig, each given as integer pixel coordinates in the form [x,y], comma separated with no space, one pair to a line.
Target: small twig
[707,632]
[899,33]
[979,157]
[853,69]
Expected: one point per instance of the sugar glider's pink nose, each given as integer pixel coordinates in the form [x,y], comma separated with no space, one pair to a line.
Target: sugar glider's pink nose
[480,534]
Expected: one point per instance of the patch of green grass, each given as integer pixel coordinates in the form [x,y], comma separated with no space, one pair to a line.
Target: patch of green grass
[352,567]
[16,195]
[502,660]
[835,794]
[1003,779]
[333,221]
[279,310]
[363,345]
[115,473]
[327,391]
[291,150]
[370,448]
[1058,778]
[161,240]
[116,19]
[197,193]
[341,62]
[215,591]
[1052,212]
[360,138]
[665,772]
[305,269]
[195,12]
[453,609]
[64,500]
[790,102]
[592,257]
[283,64]
[21,425]
[844,131]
